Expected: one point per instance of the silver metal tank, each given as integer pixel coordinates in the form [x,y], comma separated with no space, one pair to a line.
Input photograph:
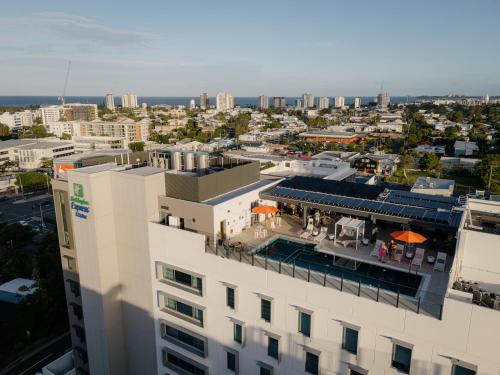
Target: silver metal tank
[189,161]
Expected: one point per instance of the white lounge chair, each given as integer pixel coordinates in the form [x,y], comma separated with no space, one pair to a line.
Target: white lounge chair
[418,258]
[440,263]
[307,232]
[322,234]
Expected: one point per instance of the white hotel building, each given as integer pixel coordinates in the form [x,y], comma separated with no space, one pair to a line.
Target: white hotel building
[169,272]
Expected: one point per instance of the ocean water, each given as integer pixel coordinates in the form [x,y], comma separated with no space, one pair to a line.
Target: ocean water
[25,101]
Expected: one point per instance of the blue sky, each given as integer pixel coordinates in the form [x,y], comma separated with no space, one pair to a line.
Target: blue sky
[273,47]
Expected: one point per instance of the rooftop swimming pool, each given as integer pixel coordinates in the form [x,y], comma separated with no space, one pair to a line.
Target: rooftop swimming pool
[304,255]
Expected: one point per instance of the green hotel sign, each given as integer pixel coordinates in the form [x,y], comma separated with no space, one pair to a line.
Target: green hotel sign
[78,202]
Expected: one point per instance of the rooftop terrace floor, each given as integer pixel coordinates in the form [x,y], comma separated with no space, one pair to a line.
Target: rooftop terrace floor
[432,288]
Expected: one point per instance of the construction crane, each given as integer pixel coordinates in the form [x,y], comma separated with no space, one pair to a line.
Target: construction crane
[62,97]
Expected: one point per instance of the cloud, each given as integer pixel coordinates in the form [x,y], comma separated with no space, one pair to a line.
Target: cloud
[83,29]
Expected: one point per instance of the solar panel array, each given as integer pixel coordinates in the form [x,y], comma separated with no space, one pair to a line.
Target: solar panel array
[366,205]
[425,197]
[343,188]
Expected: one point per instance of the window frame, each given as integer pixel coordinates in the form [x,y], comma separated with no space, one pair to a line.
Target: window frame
[166,351]
[236,355]
[228,302]
[272,338]
[163,303]
[165,336]
[264,299]
[395,344]
[315,353]
[345,329]
[465,365]
[160,275]
[265,366]
[300,328]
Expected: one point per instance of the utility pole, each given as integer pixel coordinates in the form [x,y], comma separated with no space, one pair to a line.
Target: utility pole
[41,217]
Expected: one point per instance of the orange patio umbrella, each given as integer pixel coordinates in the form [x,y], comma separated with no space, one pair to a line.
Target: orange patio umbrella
[408,236]
[264,210]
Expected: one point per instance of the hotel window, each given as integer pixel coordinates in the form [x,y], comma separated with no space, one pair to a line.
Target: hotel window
[181,309]
[232,360]
[312,363]
[182,364]
[70,263]
[401,358]
[238,332]
[273,347]
[230,297]
[184,338]
[461,368]
[63,205]
[265,369]
[350,340]
[305,323]
[265,309]
[181,278]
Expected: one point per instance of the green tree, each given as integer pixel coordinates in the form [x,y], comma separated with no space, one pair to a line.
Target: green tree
[429,162]
[136,146]
[36,131]
[31,179]
[4,130]
[405,163]
[489,171]
[66,136]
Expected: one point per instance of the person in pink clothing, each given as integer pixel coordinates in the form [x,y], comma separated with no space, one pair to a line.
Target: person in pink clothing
[382,251]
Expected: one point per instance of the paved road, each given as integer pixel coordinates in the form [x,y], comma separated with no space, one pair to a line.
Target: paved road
[15,209]
[33,362]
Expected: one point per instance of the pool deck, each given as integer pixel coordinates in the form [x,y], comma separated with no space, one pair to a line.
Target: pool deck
[435,282]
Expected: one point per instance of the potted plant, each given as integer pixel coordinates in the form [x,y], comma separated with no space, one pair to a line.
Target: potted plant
[220,238]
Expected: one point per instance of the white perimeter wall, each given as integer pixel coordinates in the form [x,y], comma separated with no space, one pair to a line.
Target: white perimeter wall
[467,332]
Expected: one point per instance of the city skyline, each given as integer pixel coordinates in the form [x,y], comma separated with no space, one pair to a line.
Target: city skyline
[348,49]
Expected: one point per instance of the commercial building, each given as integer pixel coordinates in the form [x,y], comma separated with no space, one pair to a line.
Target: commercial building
[50,114]
[308,100]
[204,101]
[60,128]
[110,102]
[339,102]
[324,102]
[29,153]
[224,101]
[328,136]
[84,144]
[129,130]
[263,102]
[32,155]
[176,275]
[80,112]
[357,102]
[279,102]
[129,101]
[383,100]
[17,120]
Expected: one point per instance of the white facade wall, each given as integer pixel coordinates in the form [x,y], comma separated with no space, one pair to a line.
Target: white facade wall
[339,102]
[112,251]
[465,333]
[50,114]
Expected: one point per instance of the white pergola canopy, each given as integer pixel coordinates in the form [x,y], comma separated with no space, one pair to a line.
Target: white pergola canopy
[350,223]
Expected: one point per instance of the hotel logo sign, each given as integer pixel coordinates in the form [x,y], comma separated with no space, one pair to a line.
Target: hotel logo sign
[78,202]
